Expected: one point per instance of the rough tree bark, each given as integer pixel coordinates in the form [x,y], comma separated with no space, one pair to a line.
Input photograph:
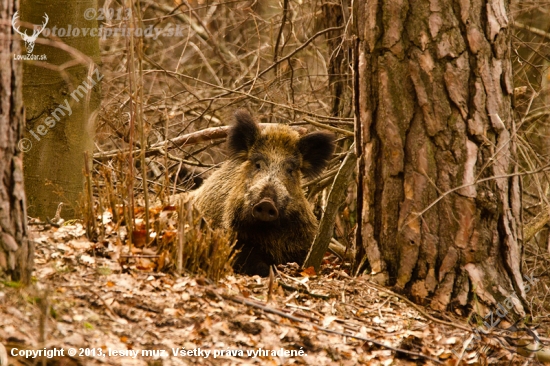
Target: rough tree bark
[16,252]
[433,104]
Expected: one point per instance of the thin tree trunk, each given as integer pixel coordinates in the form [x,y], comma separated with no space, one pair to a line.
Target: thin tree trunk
[60,107]
[433,105]
[16,252]
[336,14]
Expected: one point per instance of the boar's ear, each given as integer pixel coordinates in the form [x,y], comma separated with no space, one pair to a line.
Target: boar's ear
[243,133]
[316,149]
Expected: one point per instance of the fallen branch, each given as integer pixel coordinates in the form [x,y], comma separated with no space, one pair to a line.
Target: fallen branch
[340,250]
[304,291]
[193,138]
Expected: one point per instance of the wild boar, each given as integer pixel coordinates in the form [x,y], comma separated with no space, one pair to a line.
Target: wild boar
[257,193]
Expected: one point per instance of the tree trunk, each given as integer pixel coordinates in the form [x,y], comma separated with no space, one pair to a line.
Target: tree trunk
[433,104]
[16,252]
[54,163]
[339,77]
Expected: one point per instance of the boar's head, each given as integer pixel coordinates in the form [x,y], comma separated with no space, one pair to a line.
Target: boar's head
[257,193]
[272,162]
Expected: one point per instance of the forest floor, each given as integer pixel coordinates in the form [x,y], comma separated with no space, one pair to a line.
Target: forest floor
[99,310]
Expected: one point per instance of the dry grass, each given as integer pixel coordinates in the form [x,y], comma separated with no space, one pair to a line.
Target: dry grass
[532,105]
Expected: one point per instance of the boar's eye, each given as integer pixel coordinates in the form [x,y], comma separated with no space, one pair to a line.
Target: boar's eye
[291,169]
[258,164]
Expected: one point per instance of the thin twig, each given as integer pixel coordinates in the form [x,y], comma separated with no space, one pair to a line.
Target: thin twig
[298,49]
[417,215]
[419,309]
[538,32]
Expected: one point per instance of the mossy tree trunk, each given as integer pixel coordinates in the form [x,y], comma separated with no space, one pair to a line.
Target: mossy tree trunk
[60,105]
[16,252]
[433,105]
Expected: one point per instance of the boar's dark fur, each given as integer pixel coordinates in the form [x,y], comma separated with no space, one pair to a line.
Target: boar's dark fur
[257,193]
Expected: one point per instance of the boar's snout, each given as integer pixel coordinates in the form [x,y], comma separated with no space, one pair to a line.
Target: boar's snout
[265,210]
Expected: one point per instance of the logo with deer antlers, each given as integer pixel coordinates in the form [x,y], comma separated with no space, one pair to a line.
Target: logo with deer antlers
[29,40]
